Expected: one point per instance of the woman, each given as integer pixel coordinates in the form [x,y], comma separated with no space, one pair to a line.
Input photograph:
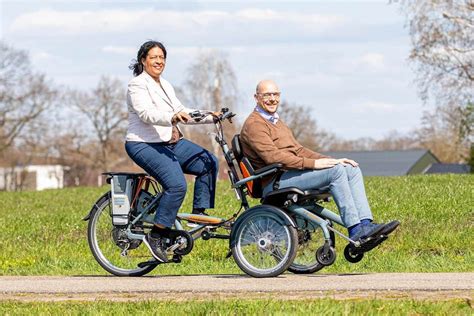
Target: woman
[155,143]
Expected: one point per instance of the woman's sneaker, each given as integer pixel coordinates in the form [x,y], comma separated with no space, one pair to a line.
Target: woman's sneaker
[157,246]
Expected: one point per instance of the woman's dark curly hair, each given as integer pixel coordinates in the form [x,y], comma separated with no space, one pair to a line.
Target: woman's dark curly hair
[136,64]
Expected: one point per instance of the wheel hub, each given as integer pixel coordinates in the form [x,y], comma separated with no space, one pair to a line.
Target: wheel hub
[265,242]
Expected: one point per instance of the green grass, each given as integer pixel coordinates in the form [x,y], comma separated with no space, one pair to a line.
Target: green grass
[42,232]
[242,307]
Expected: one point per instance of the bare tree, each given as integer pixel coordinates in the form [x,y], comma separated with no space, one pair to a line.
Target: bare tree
[442,35]
[211,84]
[395,140]
[304,127]
[444,132]
[24,94]
[105,110]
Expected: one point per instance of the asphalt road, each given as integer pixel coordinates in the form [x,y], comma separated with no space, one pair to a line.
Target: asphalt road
[290,286]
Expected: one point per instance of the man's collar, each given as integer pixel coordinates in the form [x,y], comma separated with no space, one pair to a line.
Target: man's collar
[272,118]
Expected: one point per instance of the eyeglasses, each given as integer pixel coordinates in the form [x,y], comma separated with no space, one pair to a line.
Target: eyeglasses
[268,95]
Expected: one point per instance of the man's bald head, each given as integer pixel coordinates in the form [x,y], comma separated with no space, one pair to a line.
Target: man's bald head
[268,95]
[266,85]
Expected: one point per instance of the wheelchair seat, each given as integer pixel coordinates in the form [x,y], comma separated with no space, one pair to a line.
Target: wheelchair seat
[276,197]
[296,195]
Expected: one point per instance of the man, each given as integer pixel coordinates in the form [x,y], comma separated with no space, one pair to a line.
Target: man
[266,140]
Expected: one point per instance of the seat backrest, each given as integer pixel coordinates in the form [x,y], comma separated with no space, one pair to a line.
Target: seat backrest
[237,148]
[254,187]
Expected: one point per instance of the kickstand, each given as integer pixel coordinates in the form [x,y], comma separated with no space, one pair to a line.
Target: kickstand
[229,254]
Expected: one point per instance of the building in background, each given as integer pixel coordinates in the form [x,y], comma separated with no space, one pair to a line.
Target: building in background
[32,177]
[399,162]
[448,168]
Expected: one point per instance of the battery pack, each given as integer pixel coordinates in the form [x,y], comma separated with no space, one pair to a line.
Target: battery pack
[121,198]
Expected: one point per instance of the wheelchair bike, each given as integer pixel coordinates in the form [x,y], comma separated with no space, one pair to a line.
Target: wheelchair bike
[289,230]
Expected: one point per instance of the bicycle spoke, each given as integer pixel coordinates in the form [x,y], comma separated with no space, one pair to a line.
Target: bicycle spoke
[264,243]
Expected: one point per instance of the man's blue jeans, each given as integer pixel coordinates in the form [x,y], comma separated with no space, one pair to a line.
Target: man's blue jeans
[167,163]
[345,183]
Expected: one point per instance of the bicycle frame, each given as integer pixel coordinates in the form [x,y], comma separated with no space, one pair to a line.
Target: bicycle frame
[144,215]
[321,216]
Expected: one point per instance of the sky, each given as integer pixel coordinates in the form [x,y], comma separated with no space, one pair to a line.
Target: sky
[344,60]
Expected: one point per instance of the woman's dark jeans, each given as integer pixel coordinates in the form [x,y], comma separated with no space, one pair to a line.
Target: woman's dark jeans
[167,163]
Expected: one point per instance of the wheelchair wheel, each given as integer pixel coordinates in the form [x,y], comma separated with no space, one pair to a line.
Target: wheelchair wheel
[263,244]
[110,246]
[310,238]
[352,255]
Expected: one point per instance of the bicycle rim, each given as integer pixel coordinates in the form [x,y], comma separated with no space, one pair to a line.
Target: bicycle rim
[265,245]
[103,237]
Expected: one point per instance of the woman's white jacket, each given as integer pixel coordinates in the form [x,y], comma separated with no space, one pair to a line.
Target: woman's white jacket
[150,111]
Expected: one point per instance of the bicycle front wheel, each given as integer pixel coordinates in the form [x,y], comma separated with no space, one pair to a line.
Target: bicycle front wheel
[111,247]
[264,245]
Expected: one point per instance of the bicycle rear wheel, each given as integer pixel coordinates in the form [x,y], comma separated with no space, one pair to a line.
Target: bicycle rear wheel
[111,247]
[310,238]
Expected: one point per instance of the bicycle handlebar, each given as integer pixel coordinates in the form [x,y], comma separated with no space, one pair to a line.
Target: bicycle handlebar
[226,115]
[200,115]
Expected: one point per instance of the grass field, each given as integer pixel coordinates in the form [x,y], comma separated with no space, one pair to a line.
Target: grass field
[42,232]
[242,307]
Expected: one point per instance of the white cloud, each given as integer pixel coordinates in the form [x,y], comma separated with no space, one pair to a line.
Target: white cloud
[375,61]
[120,50]
[292,17]
[40,55]
[373,106]
[76,22]
[116,21]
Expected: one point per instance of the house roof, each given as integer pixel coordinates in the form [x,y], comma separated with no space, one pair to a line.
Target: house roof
[385,162]
[448,168]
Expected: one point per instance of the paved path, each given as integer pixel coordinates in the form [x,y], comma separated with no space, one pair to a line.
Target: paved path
[381,285]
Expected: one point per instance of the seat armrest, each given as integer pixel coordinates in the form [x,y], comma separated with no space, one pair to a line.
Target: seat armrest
[269,167]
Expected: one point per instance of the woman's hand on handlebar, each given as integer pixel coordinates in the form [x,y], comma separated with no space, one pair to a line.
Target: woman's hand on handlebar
[223,115]
[216,115]
[182,117]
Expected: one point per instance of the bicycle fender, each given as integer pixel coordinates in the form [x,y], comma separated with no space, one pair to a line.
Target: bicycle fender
[105,196]
[260,208]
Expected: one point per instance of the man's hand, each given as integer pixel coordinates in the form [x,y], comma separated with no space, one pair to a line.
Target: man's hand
[331,162]
[182,117]
[346,161]
[324,163]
